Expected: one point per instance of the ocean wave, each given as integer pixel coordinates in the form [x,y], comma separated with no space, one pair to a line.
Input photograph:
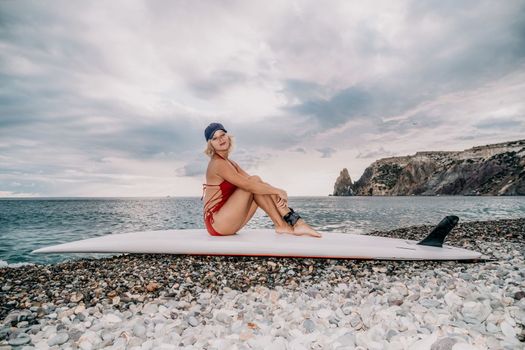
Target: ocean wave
[4,263]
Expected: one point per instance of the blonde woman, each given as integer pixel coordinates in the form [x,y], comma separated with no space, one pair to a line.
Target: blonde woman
[233,196]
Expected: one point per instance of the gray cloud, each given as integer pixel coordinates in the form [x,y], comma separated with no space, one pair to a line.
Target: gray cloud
[474,45]
[82,84]
[192,169]
[375,154]
[326,152]
[212,85]
[506,123]
[304,90]
[299,150]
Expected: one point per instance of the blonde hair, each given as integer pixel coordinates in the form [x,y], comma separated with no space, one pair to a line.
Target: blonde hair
[210,151]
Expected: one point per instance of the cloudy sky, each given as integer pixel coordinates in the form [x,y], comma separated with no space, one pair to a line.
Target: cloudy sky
[111,98]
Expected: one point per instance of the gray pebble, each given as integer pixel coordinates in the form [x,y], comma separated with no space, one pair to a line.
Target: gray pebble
[312,292]
[443,344]
[75,334]
[22,324]
[58,339]
[22,339]
[107,336]
[12,318]
[4,331]
[309,325]
[334,320]
[390,334]
[429,303]
[193,321]
[222,317]
[139,330]
[465,276]
[34,329]
[347,339]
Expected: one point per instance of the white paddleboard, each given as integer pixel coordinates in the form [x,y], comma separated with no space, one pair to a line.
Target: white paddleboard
[263,242]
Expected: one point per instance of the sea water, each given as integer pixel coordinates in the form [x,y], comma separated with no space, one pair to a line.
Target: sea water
[28,224]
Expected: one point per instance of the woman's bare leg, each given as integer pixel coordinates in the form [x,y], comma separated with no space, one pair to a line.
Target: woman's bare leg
[269,204]
[234,213]
[239,208]
[250,213]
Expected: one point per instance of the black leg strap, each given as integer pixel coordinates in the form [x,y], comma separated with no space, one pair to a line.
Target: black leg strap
[291,217]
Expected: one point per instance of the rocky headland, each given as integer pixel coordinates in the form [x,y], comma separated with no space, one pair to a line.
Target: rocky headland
[496,169]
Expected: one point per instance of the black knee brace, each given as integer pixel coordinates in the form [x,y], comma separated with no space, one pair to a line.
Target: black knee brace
[291,217]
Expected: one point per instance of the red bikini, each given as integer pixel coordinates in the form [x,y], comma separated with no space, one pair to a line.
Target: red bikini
[227,189]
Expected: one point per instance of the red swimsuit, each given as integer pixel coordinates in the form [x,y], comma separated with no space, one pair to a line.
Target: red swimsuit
[227,189]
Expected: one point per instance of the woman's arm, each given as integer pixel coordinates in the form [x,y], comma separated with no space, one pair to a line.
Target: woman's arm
[240,180]
[240,169]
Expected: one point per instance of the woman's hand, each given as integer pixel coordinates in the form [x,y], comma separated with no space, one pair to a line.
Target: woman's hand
[283,199]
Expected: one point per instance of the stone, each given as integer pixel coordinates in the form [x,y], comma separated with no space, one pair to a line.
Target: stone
[519,295]
[443,344]
[309,325]
[22,324]
[139,330]
[76,297]
[324,313]
[85,345]
[193,321]
[59,339]
[223,317]
[508,330]
[4,331]
[347,339]
[75,334]
[152,286]
[464,346]
[79,309]
[111,318]
[22,339]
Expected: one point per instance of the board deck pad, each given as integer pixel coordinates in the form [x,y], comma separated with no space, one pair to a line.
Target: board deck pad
[263,242]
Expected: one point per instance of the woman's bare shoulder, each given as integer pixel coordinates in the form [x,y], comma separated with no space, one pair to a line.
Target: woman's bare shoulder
[212,171]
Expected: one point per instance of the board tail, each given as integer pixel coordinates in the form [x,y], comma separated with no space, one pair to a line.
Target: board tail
[438,234]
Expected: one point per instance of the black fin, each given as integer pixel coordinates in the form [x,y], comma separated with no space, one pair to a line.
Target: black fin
[438,234]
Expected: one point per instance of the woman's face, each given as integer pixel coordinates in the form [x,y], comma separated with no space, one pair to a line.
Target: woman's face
[220,141]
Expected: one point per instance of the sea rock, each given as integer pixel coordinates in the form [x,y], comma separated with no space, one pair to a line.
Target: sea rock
[494,169]
[343,184]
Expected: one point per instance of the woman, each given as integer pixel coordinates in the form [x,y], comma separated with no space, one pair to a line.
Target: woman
[233,196]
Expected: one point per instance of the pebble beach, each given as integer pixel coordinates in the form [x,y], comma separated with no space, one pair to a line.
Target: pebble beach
[134,301]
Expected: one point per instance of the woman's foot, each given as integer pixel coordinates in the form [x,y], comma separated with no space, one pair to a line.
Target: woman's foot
[284,229]
[302,228]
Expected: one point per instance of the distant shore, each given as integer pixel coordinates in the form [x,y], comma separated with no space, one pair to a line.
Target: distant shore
[207,301]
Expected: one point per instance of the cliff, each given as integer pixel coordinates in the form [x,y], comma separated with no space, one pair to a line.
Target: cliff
[496,169]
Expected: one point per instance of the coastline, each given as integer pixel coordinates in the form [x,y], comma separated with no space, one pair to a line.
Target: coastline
[166,301]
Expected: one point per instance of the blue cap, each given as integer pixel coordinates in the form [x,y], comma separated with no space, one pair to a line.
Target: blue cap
[210,130]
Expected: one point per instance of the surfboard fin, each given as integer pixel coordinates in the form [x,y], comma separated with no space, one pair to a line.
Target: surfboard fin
[438,234]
